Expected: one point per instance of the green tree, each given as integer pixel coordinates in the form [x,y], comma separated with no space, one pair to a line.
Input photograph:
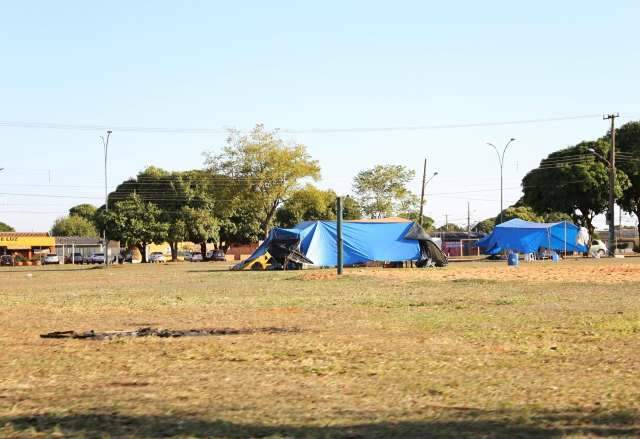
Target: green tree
[307,204]
[74,225]
[382,191]
[6,228]
[628,141]
[200,226]
[451,228]
[134,222]
[86,211]
[485,226]
[572,181]
[267,169]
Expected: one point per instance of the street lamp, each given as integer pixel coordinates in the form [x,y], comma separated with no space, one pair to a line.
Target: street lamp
[501,162]
[424,185]
[105,144]
[611,164]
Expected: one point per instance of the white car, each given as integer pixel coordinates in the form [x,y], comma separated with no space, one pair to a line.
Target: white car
[196,257]
[598,249]
[51,258]
[97,258]
[157,257]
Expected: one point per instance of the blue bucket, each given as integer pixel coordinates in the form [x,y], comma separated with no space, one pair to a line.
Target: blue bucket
[512,259]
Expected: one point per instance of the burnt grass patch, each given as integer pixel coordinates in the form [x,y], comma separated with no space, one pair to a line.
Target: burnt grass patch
[166,333]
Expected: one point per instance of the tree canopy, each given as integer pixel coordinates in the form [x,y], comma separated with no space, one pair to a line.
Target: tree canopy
[574,182]
[134,222]
[86,211]
[6,227]
[74,225]
[312,204]
[628,141]
[382,191]
[269,169]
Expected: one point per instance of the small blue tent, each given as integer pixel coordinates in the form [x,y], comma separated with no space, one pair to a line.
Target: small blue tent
[528,237]
[315,243]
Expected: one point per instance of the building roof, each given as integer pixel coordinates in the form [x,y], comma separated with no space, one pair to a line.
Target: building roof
[25,234]
[77,240]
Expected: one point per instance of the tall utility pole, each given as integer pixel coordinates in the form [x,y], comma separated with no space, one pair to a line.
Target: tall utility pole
[424,185]
[501,162]
[468,219]
[105,143]
[612,185]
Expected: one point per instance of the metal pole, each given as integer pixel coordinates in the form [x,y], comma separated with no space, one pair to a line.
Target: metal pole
[340,261]
[105,143]
[612,187]
[424,181]
[501,163]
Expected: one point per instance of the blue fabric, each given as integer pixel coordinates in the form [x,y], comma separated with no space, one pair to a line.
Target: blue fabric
[527,237]
[362,242]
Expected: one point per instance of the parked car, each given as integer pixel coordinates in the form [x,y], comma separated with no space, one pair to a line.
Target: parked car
[598,249]
[97,258]
[216,255]
[6,260]
[74,258]
[157,257]
[187,256]
[51,258]
[196,257]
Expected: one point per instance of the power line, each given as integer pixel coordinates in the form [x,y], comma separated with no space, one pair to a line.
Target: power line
[184,130]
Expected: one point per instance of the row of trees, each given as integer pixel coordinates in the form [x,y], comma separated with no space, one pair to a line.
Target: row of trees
[6,227]
[575,182]
[256,181]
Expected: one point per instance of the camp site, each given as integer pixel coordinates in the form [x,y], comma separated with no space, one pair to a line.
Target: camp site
[319,220]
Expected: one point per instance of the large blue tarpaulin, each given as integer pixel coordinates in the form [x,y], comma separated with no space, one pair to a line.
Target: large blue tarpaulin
[363,241]
[528,237]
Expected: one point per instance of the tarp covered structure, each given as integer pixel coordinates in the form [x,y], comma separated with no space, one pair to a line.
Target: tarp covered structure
[315,243]
[529,237]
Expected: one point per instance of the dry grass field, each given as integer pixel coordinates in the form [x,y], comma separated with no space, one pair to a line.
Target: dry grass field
[472,350]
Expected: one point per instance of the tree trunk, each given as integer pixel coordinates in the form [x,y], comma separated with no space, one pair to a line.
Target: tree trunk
[637,213]
[174,251]
[203,250]
[143,251]
[267,222]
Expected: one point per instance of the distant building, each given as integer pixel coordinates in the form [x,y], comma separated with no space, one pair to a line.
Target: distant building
[27,245]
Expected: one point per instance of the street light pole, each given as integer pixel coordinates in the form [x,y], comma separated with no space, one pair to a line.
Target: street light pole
[424,185]
[105,144]
[501,162]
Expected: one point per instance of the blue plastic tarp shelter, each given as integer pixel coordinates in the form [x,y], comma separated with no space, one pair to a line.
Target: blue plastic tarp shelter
[362,242]
[529,237]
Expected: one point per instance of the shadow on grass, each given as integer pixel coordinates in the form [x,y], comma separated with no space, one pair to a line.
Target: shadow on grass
[470,424]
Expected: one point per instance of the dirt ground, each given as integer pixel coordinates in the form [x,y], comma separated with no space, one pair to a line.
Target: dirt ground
[472,350]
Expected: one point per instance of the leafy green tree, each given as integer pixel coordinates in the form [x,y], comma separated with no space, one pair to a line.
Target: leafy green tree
[382,191]
[628,141]
[525,213]
[485,226]
[86,211]
[572,181]
[351,209]
[307,204]
[74,225]
[451,228]
[268,169]
[6,228]
[242,226]
[200,226]
[134,222]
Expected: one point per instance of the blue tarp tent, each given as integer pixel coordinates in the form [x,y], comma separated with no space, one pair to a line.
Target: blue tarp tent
[528,237]
[363,242]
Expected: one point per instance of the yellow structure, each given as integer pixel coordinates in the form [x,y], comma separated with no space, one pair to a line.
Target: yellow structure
[26,244]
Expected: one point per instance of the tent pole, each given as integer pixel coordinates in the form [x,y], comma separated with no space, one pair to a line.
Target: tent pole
[565,238]
[339,234]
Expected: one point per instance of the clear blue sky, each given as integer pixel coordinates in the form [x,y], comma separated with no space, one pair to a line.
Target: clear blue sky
[301,65]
